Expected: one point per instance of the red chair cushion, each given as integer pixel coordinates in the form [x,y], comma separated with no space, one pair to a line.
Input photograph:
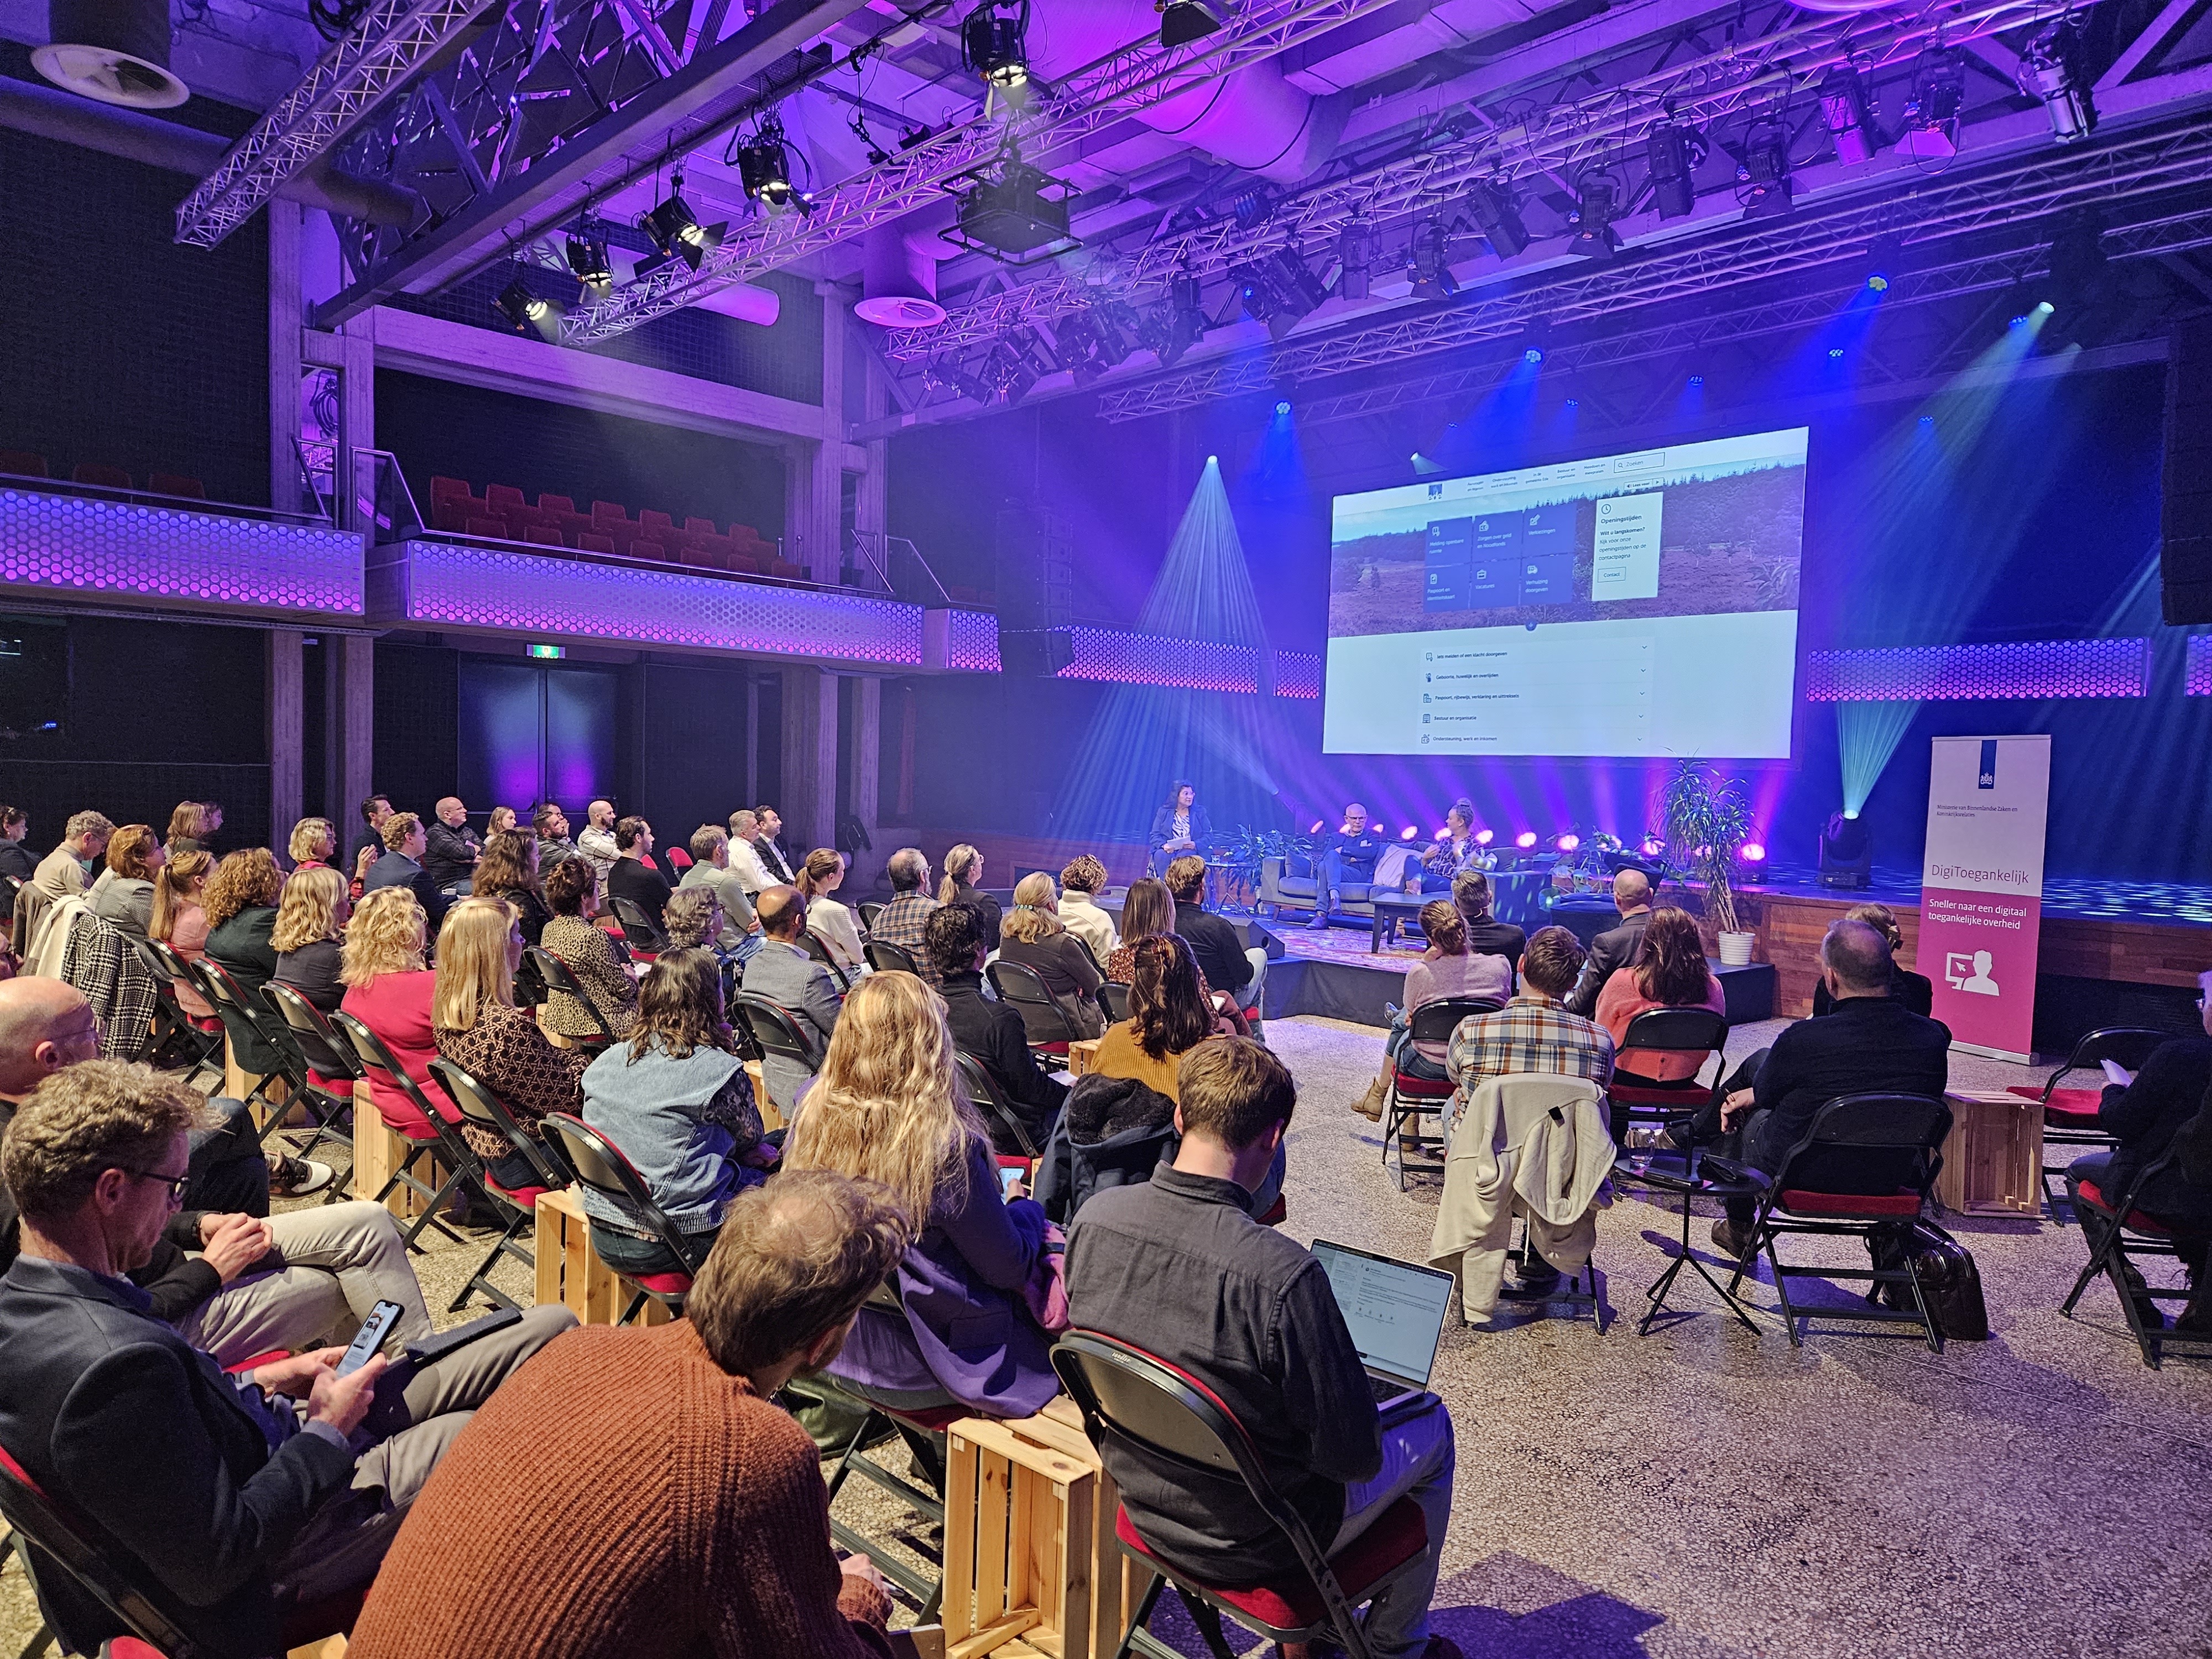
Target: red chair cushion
[130,1647]
[1059,1048]
[662,1284]
[1293,1601]
[2136,1221]
[245,1367]
[1422,1088]
[2069,1108]
[1904,1201]
[934,1419]
[523,1197]
[1629,1089]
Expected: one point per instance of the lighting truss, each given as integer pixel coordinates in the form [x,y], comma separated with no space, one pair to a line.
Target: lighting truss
[2026,191]
[1093,98]
[393,42]
[1561,139]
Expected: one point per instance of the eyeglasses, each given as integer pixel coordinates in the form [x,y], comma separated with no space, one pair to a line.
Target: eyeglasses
[176,1184]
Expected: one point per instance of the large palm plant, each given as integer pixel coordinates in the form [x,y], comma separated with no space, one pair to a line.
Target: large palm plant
[1705,818]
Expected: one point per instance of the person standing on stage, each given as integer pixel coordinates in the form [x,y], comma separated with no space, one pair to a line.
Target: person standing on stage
[1348,855]
[1179,827]
[1458,852]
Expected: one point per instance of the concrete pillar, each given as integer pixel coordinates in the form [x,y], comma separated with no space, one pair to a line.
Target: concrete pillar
[285,491]
[810,758]
[350,696]
[863,784]
[813,469]
[286,705]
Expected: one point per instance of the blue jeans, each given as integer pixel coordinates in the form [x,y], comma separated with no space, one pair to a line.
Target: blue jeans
[1417,1456]
[1334,872]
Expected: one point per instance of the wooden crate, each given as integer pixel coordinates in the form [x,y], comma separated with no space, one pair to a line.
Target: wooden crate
[1030,1564]
[1993,1160]
[377,1150]
[771,1118]
[570,1272]
[1082,1056]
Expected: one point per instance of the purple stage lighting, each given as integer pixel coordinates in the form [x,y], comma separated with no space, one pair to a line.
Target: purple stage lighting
[1483,837]
[1946,673]
[1316,828]
[1568,844]
[1752,853]
[2196,681]
[1525,840]
[1409,835]
[1297,674]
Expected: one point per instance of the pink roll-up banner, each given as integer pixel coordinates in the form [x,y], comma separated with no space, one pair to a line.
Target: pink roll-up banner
[1981,889]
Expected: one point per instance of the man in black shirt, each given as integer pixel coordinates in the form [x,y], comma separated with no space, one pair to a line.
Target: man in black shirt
[1177,1266]
[373,812]
[1617,947]
[989,1031]
[453,847]
[1348,855]
[634,876]
[1222,957]
[1486,936]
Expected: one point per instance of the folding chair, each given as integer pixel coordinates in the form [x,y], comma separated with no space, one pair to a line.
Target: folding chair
[1114,997]
[888,959]
[175,1033]
[343,1036]
[1684,1032]
[639,931]
[1007,1133]
[1021,987]
[557,976]
[1145,1404]
[323,1054]
[330,1113]
[241,1026]
[2069,1115]
[133,1597]
[2116,1226]
[1894,1142]
[484,1111]
[774,1029]
[868,911]
[816,946]
[602,1168]
[1409,1096]
[43,1637]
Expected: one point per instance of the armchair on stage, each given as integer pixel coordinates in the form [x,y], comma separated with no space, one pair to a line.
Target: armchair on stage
[1290,883]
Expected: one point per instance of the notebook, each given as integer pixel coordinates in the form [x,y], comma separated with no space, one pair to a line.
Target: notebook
[1395,1311]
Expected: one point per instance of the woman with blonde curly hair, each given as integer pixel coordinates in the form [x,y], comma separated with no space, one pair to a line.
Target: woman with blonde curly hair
[480,1030]
[314,842]
[888,1107]
[305,934]
[389,990]
[241,901]
[1034,936]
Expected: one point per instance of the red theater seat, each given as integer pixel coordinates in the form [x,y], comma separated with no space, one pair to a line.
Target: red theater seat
[557,504]
[451,515]
[489,529]
[543,535]
[501,497]
[451,488]
[176,484]
[106,477]
[22,464]
[589,542]
[652,551]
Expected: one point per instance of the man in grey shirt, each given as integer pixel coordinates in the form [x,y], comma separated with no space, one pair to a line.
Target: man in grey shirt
[740,937]
[782,972]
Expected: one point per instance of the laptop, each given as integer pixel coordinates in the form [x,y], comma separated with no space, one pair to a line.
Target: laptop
[1395,1311]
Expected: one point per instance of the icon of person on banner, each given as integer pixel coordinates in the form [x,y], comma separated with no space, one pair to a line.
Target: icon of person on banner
[1978,981]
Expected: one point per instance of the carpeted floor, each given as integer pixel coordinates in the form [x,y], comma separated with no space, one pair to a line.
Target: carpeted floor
[1704,1491]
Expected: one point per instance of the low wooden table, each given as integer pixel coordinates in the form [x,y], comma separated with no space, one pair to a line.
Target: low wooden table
[569,1270]
[1993,1158]
[1391,909]
[1082,1056]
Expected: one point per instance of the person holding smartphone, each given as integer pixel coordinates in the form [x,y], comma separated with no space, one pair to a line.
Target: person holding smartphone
[239,1494]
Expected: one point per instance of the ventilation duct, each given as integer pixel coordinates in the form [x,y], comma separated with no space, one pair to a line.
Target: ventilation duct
[115,51]
[898,281]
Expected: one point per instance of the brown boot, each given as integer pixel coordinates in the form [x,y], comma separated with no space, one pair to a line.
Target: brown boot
[1370,1105]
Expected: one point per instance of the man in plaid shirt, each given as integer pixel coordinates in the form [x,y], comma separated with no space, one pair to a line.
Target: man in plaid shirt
[901,921]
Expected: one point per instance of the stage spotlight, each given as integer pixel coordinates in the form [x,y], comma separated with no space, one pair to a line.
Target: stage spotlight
[1525,840]
[528,313]
[1355,259]
[1697,379]
[764,168]
[1595,238]
[1884,254]
[1491,206]
[1568,844]
[1182,22]
[1429,263]
[1482,837]
[1298,292]
[2020,321]
[1846,851]
[1847,108]
[676,231]
[1316,828]
[1283,407]
[1674,152]
[2051,69]
[1187,320]
[1574,403]
[588,262]
[1938,93]
[1536,342]
[994,43]
[1835,352]
[1752,853]
[1408,834]
[1764,172]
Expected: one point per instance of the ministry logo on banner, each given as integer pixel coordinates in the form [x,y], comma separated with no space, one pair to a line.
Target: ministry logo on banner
[1981,895]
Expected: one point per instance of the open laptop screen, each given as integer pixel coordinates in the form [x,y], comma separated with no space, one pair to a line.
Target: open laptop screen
[1395,1309]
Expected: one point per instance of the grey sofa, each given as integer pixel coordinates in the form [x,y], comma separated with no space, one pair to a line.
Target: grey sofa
[1280,890]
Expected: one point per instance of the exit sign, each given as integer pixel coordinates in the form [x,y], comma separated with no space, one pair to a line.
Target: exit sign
[553,652]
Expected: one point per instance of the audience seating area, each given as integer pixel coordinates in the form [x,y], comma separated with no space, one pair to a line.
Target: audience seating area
[24,463]
[501,513]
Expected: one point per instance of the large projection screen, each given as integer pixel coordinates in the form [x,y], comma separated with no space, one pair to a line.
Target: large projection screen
[1637,604]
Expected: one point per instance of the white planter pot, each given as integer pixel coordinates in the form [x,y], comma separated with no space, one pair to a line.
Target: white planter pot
[1735,949]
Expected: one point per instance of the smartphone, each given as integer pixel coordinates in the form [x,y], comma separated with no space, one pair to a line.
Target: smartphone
[370,1337]
[1008,1178]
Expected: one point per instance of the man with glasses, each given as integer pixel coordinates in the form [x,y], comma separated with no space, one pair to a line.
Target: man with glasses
[234,1280]
[238,1494]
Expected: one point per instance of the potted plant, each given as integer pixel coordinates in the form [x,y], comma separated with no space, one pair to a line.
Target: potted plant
[1703,819]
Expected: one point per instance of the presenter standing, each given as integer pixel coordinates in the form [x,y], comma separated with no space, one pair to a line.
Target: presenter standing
[1179,827]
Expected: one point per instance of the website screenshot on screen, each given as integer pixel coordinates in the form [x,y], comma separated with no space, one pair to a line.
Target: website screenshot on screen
[1636,603]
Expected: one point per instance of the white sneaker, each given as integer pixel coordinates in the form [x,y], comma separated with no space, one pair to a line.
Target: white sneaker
[300,1177]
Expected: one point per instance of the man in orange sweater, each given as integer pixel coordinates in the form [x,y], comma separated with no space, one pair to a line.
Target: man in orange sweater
[634,1493]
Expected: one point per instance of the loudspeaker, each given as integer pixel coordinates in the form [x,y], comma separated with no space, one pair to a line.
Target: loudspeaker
[2184,560]
[1037,654]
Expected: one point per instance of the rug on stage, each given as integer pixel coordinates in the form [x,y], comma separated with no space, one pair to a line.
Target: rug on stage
[1344,944]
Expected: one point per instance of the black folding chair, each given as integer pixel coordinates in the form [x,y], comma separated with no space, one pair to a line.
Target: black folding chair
[816,946]
[1021,987]
[322,1054]
[868,910]
[888,959]
[1144,1404]
[1114,997]
[340,1037]
[1891,1143]
[1681,1032]
[602,1168]
[2069,1115]
[640,931]
[241,1026]
[1008,1135]
[175,1036]
[2117,1227]
[558,977]
[1408,1097]
[43,1637]
[482,1110]
[774,1029]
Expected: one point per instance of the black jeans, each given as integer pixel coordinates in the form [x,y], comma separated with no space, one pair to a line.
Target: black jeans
[1704,1129]
[627,1254]
[229,1173]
